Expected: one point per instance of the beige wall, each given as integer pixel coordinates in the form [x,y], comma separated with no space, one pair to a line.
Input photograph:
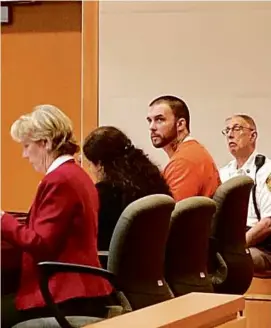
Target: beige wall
[217,56]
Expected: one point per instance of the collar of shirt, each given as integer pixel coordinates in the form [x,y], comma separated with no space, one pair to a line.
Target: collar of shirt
[59,161]
[188,138]
[248,167]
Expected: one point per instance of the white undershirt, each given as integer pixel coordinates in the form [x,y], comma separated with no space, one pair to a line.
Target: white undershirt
[59,161]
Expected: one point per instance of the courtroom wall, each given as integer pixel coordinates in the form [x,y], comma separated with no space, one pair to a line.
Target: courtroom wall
[40,63]
[214,55]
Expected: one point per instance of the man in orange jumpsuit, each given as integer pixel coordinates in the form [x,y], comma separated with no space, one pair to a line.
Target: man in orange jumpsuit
[191,170]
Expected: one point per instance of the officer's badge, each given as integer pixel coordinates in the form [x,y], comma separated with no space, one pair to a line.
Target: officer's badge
[268,182]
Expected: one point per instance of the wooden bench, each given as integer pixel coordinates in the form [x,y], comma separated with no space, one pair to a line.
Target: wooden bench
[258,302]
[193,310]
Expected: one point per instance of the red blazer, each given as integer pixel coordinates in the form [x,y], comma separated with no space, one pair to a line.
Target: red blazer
[62,227]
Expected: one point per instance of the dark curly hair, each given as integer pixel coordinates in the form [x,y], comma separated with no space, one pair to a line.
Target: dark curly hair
[123,164]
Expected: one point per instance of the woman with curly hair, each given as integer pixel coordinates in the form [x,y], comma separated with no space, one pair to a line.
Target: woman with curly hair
[123,174]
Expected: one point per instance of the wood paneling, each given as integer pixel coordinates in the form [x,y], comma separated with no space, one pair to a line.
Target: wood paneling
[90,36]
[258,313]
[41,61]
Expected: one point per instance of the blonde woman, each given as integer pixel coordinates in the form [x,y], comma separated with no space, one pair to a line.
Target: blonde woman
[62,223]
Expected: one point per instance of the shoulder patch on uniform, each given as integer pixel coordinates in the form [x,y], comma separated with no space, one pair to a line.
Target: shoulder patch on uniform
[268,182]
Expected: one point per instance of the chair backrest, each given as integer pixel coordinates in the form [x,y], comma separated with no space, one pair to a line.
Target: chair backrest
[229,223]
[137,250]
[228,233]
[187,245]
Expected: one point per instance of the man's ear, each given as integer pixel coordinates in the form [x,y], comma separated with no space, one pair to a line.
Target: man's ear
[254,135]
[181,124]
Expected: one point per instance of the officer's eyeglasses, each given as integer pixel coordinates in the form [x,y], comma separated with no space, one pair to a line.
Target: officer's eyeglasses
[235,129]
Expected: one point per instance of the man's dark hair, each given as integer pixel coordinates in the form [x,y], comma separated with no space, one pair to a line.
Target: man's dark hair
[177,105]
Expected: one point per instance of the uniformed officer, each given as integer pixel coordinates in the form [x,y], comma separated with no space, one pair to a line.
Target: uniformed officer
[241,134]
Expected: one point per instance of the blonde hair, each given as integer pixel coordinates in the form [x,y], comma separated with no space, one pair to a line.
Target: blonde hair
[46,122]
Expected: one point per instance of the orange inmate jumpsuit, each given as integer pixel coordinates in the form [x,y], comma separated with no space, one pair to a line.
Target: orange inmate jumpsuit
[191,171]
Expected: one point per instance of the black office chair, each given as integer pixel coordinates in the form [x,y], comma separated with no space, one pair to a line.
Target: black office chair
[187,246]
[137,250]
[135,261]
[228,233]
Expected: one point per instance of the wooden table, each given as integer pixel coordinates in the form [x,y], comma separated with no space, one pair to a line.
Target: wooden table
[193,310]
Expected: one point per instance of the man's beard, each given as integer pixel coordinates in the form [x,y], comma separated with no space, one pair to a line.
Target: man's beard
[164,141]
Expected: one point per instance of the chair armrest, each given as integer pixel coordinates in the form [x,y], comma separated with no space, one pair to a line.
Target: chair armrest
[48,269]
[221,273]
